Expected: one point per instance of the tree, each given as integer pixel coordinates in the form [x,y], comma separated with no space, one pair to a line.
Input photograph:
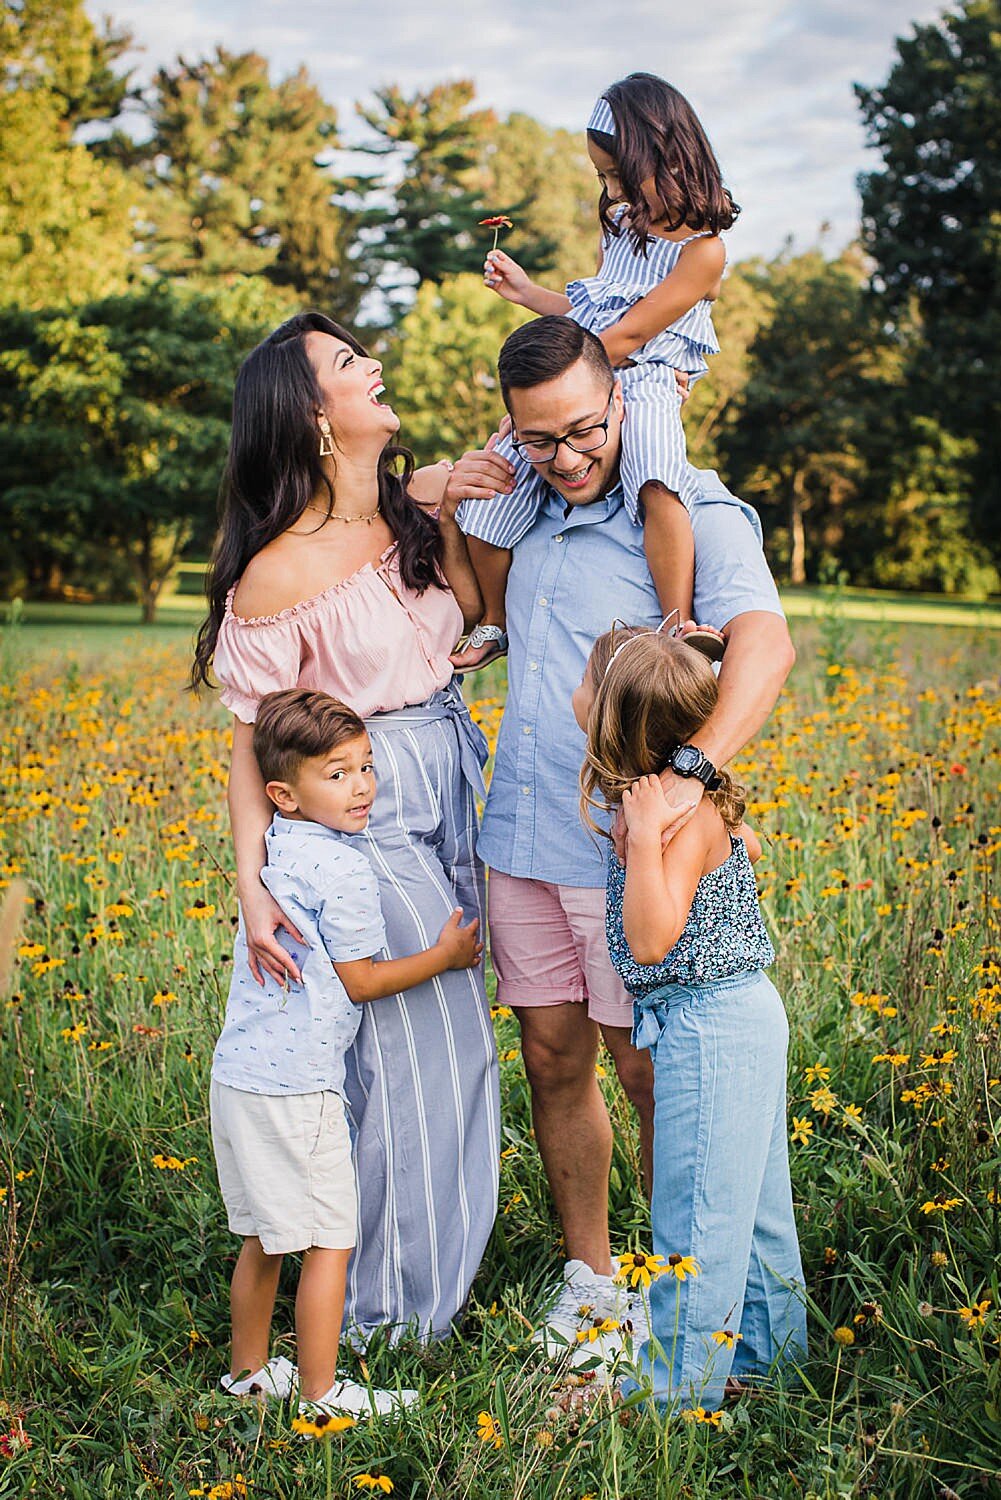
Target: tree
[238,182]
[931,217]
[66,230]
[745,304]
[53,45]
[543,179]
[442,369]
[432,141]
[796,442]
[445,171]
[114,423]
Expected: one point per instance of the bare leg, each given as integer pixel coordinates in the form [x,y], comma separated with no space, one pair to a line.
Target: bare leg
[492,565]
[252,1304]
[669,547]
[572,1128]
[635,1073]
[319,1313]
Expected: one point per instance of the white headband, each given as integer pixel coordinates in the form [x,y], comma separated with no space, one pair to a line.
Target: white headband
[602,118]
[671,630]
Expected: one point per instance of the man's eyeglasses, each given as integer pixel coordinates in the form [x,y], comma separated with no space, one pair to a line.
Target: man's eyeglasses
[581,440]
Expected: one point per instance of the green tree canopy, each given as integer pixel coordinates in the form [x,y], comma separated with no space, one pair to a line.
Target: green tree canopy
[235,166]
[931,219]
[795,444]
[66,219]
[441,370]
[543,179]
[114,422]
[54,46]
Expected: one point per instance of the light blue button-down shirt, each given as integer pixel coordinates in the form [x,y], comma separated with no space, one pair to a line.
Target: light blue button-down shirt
[577,570]
[293,1040]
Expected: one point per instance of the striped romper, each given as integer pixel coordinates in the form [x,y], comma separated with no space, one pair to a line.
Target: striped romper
[653,440]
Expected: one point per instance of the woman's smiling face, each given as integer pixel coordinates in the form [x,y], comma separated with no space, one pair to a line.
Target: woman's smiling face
[350,384]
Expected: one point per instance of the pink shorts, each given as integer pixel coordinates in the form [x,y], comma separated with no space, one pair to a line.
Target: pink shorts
[548,947]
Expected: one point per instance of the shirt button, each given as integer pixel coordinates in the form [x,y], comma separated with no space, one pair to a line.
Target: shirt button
[526,729]
[543,603]
[533,666]
[527,790]
[558,537]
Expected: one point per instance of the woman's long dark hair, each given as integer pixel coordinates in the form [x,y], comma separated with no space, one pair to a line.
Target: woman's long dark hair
[273,470]
[658,135]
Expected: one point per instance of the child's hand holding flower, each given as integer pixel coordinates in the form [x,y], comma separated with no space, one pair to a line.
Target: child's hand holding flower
[505,277]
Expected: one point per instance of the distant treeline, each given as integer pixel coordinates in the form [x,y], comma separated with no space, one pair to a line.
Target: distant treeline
[856,400]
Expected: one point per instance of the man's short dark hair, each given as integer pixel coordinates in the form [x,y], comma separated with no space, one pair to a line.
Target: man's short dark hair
[296,725]
[544,350]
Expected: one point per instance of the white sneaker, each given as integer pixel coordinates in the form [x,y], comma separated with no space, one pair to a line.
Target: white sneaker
[276,1379]
[574,1330]
[346,1398]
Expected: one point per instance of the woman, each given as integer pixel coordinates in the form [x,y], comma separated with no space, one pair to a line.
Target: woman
[328,575]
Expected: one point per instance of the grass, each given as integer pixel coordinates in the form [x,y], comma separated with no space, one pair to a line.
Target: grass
[182,612]
[876,788]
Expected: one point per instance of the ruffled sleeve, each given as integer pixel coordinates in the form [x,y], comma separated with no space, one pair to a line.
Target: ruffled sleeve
[255,657]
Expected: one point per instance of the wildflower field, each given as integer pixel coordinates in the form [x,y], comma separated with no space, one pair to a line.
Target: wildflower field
[876,789]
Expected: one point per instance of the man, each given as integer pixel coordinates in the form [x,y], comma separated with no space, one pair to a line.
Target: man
[579,568]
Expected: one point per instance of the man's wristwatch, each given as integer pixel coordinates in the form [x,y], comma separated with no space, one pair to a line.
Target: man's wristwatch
[689,760]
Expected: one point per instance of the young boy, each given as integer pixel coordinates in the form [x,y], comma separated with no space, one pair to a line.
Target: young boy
[281,1141]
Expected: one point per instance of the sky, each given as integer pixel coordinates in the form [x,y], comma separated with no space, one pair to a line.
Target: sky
[771,80]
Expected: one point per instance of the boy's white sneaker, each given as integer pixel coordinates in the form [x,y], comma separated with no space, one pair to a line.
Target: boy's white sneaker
[347,1398]
[277,1379]
[585,1302]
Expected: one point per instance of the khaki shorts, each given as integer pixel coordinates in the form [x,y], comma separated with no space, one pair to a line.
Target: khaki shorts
[548,947]
[285,1169]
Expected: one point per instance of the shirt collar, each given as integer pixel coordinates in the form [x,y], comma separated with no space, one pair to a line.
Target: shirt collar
[584,515]
[303,828]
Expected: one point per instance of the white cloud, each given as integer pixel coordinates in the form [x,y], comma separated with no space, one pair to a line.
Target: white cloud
[771,80]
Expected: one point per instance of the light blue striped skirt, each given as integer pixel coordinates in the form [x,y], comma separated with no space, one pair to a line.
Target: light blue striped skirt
[422,1082]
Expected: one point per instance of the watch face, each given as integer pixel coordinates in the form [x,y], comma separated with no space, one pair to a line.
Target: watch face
[685,759]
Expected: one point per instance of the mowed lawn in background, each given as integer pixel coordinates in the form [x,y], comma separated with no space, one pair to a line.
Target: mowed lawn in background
[876,788]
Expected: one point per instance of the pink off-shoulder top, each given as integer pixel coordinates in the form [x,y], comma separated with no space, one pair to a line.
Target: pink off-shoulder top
[369,640]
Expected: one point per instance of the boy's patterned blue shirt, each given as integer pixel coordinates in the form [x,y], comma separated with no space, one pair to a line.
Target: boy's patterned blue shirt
[292,1040]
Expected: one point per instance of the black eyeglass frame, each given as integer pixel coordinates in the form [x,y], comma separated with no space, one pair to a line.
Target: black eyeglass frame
[520,445]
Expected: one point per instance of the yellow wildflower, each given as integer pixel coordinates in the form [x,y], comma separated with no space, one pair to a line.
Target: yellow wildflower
[488,1429]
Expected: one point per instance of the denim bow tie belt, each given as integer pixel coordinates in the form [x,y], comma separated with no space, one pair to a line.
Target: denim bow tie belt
[446,703]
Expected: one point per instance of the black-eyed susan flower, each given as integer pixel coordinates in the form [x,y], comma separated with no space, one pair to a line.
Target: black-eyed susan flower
[171,1163]
[598,1327]
[869,1313]
[488,1429]
[697,1415]
[726,1338]
[682,1266]
[818,1073]
[641,1269]
[975,1315]
[323,1425]
[74,1033]
[381,1482]
[802,1129]
[940,1204]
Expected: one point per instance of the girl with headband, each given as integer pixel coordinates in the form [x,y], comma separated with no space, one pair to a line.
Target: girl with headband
[662,209]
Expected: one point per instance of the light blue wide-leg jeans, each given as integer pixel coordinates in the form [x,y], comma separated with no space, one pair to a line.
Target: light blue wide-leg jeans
[721,1191]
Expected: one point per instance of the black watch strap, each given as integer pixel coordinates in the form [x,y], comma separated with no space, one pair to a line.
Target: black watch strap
[701,767]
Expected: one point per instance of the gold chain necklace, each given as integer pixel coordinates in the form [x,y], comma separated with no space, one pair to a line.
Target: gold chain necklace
[332,515]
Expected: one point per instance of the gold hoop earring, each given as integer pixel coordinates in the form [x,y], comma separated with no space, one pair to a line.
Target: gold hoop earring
[326,436]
